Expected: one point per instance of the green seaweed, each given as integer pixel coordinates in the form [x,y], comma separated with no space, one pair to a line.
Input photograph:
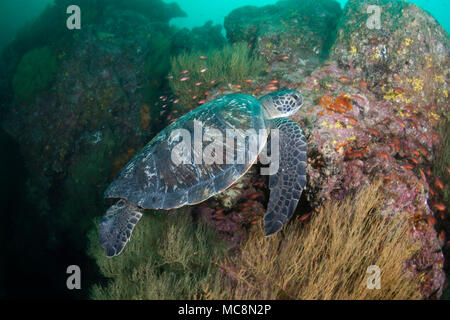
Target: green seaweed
[35,72]
[231,64]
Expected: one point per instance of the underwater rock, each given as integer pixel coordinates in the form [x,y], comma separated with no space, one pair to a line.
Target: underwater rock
[236,210]
[373,113]
[80,132]
[35,72]
[202,38]
[408,52]
[370,111]
[290,32]
[154,10]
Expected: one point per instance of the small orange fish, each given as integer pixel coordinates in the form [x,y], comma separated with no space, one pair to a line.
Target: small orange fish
[213,81]
[176,101]
[199,83]
[355,155]
[274,81]
[203,57]
[448,169]
[202,101]
[431,220]
[373,40]
[374,132]
[258,90]
[184,71]
[248,80]
[364,83]
[400,122]
[258,183]
[345,79]
[414,160]
[438,183]
[409,108]
[204,70]
[408,166]
[284,57]
[238,86]
[255,196]
[194,97]
[422,175]
[423,151]
[439,206]
[184,79]
[169,77]
[441,237]
[305,216]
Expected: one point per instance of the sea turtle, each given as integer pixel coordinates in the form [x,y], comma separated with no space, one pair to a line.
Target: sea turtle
[153,180]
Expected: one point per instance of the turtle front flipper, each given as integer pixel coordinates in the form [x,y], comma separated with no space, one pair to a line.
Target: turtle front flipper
[117,225]
[287,184]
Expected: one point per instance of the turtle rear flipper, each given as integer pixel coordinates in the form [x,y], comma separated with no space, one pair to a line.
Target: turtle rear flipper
[117,225]
[287,184]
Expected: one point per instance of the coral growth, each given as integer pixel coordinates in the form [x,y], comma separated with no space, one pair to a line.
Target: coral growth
[327,258]
[236,210]
[290,34]
[194,74]
[361,127]
[169,258]
[439,193]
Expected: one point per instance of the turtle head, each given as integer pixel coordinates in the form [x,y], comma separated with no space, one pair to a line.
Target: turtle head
[281,104]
